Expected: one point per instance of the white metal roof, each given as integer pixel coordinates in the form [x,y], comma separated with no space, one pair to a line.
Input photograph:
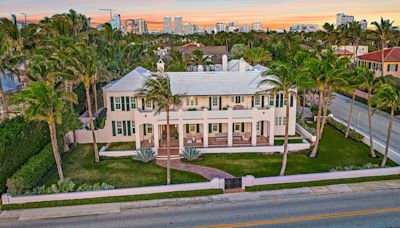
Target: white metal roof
[130,82]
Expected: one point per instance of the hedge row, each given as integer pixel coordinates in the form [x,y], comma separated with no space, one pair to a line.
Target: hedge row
[19,141]
[30,174]
[352,134]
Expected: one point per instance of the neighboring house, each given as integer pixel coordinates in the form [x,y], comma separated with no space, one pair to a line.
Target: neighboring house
[350,50]
[220,109]
[215,52]
[373,61]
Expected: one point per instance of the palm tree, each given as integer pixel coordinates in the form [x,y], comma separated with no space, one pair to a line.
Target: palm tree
[388,96]
[45,104]
[369,83]
[5,52]
[258,55]
[82,61]
[383,30]
[198,58]
[353,83]
[284,79]
[157,89]
[330,34]
[355,33]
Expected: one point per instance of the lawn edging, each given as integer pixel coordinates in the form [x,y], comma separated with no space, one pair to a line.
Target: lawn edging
[249,182]
[215,183]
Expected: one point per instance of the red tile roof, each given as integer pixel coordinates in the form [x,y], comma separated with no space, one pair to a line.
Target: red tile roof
[343,52]
[390,55]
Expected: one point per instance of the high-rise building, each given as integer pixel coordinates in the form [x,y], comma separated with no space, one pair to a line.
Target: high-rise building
[190,29]
[220,27]
[245,28]
[364,24]
[116,22]
[178,25]
[257,26]
[135,26]
[343,19]
[233,27]
[211,29]
[167,24]
[200,29]
[304,28]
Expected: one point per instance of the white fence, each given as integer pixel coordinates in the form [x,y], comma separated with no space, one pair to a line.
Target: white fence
[394,155]
[306,134]
[213,184]
[251,181]
[121,153]
[256,149]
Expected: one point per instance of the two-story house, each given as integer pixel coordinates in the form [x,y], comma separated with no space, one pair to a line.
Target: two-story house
[373,61]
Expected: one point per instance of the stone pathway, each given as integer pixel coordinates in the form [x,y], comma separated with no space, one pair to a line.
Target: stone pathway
[206,172]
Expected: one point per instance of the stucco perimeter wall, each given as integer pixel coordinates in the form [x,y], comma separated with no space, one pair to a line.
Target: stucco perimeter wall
[257,149]
[213,184]
[251,181]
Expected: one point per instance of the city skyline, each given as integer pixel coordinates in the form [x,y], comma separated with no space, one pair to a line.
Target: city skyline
[272,14]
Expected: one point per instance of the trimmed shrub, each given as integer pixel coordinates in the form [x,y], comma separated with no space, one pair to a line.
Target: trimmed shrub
[342,128]
[190,153]
[306,126]
[69,186]
[30,174]
[19,141]
[144,155]
[352,167]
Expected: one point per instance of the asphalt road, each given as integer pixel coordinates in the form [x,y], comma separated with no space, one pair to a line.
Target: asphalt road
[367,209]
[340,108]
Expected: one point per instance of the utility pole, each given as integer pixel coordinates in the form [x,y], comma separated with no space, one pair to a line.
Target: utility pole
[109,10]
[26,22]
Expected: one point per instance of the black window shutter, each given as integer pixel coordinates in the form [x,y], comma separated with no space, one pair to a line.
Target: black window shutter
[291,100]
[233,127]
[187,128]
[262,127]
[220,128]
[142,103]
[128,107]
[220,103]
[197,128]
[262,101]
[124,127]
[277,100]
[129,128]
[252,101]
[123,103]
[282,99]
[114,132]
[242,127]
[209,128]
[209,103]
[112,103]
[144,129]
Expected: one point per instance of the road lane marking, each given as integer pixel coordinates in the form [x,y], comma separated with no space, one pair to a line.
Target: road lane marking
[306,218]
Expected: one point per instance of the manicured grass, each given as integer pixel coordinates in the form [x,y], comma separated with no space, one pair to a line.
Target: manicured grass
[334,150]
[280,142]
[61,203]
[319,183]
[122,146]
[78,165]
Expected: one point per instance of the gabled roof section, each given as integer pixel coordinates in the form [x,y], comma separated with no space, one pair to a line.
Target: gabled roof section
[390,55]
[130,82]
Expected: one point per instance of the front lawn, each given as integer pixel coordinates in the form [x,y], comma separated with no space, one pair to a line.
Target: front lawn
[122,146]
[335,150]
[78,165]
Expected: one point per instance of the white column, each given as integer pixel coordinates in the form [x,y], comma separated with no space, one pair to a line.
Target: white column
[205,134]
[271,125]
[137,135]
[156,136]
[180,132]
[230,134]
[254,133]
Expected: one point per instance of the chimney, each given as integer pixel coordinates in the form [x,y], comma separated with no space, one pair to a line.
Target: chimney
[242,65]
[224,63]
[160,65]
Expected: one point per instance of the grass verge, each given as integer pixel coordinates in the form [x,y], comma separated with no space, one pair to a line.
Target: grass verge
[114,199]
[319,183]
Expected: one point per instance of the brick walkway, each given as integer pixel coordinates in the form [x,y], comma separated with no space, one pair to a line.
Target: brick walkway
[206,172]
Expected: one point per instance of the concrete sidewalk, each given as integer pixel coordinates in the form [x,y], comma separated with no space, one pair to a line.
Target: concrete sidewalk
[98,209]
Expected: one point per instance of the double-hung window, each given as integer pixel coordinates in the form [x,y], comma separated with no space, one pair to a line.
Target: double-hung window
[215,101]
[192,101]
[238,127]
[133,103]
[117,103]
[148,105]
[119,127]
[257,101]
[192,128]
[238,99]
[133,127]
[214,127]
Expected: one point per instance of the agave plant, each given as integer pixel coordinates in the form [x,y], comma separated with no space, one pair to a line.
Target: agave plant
[190,153]
[144,155]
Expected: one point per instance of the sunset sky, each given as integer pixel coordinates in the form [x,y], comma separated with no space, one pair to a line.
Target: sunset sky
[274,14]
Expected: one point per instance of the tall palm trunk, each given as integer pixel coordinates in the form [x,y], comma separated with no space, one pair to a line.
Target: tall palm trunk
[54,144]
[325,114]
[89,104]
[4,98]
[385,155]
[371,139]
[321,100]
[304,104]
[96,105]
[353,99]
[286,140]
[383,56]
[168,151]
